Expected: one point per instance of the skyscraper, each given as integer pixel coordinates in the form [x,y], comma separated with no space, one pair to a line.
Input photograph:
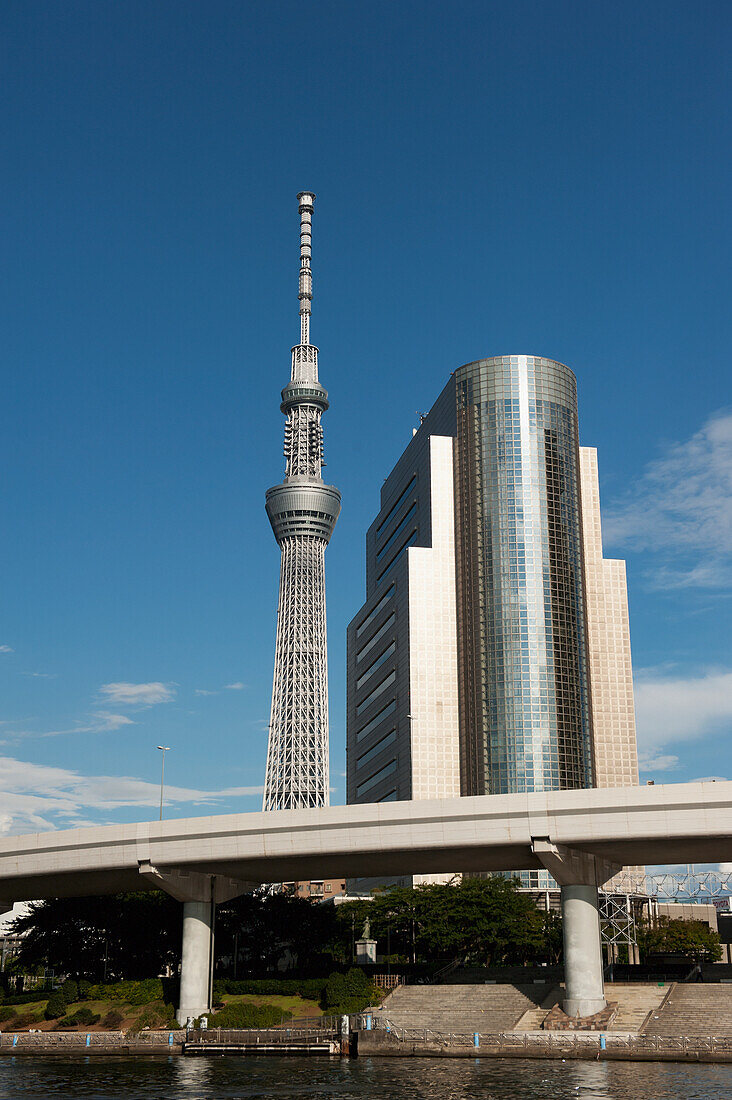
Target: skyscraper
[492,654]
[303,512]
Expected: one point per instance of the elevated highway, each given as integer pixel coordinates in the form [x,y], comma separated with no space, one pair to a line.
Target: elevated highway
[582,837]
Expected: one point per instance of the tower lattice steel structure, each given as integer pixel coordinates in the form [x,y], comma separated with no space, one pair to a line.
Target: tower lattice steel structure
[303,512]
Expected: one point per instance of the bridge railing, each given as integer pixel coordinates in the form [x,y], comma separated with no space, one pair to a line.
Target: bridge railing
[557,1041]
[305,1029]
[80,1040]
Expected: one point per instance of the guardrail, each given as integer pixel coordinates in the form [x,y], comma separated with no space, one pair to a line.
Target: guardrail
[79,1040]
[306,1029]
[388,981]
[569,1041]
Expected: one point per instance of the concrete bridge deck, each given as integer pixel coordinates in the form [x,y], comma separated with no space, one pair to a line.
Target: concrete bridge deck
[582,837]
[626,826]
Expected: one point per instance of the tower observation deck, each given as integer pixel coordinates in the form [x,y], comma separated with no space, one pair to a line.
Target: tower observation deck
[303,511]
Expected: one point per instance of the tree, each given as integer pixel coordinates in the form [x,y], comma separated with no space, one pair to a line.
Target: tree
[115,937]
[348,993]
[265,928]
[486,920]
[133,936]
[668,936]
[553,937]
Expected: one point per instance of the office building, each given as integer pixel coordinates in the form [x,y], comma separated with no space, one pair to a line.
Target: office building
[492,654]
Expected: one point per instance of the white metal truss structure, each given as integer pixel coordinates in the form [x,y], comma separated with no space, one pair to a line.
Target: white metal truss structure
[701,887]
[297,761]
[619,914]
[303,511]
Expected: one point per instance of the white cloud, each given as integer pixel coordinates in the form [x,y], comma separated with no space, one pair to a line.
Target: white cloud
[40,797]
[681,510]
[237,686]
[658,763]
[6,649]
[139,695]
[675,709]
[101,722]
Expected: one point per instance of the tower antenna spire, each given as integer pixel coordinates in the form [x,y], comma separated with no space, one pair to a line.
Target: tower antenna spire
[306,200]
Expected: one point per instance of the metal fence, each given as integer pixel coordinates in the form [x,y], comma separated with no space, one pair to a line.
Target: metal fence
[79,1040]
[556,1041]
[304,1030]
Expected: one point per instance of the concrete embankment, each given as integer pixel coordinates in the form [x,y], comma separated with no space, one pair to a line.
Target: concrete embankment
[95,1043]
[549,1045]
[648,1022]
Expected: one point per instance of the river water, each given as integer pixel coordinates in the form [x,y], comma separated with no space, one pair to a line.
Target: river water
[357,1079]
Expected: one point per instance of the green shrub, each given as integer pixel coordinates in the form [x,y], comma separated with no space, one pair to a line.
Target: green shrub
[130,992]
[310,989]
[6,1014]
[69,991]
[24,998]
[157,1014]
[26,1019]
[113,1019]
[83,1016]
[56,1007]
[249,1015]
[84,987]
[347,993]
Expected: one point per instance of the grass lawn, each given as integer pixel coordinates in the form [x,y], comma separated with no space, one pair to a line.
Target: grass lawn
[298,1006]
[131,1014]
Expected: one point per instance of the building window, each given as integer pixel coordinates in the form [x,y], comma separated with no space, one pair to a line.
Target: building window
[376,638]
[397,505]
[376,693]
[376,778]
[402,549]
[397,531]
[378,747]
[371,726]
[380,660]
[379,607]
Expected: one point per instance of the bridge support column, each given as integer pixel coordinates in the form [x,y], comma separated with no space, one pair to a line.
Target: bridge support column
[195,962]
[200,893]
[579,875]
[583,981]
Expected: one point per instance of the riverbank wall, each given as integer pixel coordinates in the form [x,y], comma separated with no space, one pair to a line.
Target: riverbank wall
[585,1046]
[91,1044]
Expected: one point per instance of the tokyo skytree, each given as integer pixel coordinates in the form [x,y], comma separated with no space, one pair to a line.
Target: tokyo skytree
[303,512]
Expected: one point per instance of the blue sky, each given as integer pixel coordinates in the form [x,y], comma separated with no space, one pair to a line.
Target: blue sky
[532,178]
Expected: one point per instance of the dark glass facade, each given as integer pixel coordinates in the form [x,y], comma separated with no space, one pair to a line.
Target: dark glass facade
[522,654]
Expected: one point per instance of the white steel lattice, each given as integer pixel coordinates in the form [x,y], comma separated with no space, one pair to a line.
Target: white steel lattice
[297,759]
[303,512]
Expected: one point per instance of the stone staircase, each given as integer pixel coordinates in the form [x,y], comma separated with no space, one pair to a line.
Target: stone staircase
[693,1009]
[459,1008]
[534,1016]
[634,1000]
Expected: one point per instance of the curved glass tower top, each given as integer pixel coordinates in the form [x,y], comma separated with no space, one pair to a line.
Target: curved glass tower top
[525,722]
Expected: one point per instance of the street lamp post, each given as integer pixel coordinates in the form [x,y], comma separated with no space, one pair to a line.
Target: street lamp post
[163,749]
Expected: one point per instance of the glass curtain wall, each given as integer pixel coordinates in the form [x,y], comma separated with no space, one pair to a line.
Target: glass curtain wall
[525,723]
